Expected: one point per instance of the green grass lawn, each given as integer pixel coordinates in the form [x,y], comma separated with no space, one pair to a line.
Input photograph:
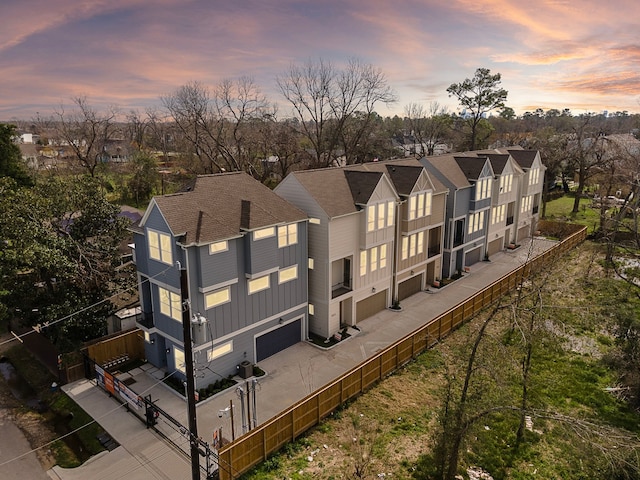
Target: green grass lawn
[560,210]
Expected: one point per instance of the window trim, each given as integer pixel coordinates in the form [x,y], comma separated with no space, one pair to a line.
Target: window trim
[216,247]
[162,242]
[219,350]
[263,233]
[207,295]
[172,309]
[287,235]
[285,271]
[256,281]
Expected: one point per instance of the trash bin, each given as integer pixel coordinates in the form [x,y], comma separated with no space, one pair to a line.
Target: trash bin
[246,369]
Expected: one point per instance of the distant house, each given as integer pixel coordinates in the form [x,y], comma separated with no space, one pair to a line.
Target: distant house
[244,250]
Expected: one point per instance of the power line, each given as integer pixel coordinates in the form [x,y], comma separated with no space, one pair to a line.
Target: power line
[39,327]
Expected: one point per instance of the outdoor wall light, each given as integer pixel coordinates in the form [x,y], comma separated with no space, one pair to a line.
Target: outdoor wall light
[168,350]
[153,340]
[373,290]
[281,321]
[411,272]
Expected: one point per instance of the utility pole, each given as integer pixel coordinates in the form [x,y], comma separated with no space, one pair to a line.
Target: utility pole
[188,360]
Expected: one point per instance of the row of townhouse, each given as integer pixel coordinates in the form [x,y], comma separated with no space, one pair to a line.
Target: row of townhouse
[325,250]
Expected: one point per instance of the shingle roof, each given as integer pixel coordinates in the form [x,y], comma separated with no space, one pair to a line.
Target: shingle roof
[524,158]
[449,168]
[404,174]
[218,207]
[498,161]
[362,184]
[471,166]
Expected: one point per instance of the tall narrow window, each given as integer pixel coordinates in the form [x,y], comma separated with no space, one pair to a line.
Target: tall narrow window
[420,247]
[383,256]
[427,204]
[363,263]
[412,245]
[405,248]
[413,201]
[371,218]
[391,207]
[287,235]
[381,212]
[374,259]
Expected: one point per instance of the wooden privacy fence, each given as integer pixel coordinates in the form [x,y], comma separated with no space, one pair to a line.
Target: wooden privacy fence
[255,446]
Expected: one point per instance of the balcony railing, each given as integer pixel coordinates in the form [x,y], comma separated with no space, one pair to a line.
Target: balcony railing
[433,251]
[535,209]
[510,220]
[145,319]
[338,290]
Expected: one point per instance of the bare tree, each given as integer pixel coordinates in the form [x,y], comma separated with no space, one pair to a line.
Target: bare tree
[218,127]
[325,100]
[86,131]
[428,125]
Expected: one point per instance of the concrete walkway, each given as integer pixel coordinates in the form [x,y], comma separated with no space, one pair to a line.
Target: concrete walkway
[291,375]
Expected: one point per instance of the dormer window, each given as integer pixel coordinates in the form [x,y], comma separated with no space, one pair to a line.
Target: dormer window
[506,182]
[534,176]
[160,247]
[419,205]
[483,188]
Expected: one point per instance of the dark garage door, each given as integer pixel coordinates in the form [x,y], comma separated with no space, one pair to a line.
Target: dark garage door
[277,340]
[370,306]
[409,287]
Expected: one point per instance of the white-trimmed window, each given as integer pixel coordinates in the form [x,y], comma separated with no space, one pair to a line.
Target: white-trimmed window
[420,246]
[526,204]
[363,263]
[218,247]
[178,359]
[220,350]
[311,263]
[381,216]
[391,208]
[412,245]
[264,233]
[534,176]
[498,214]
[483,188]
[288,274]
[287,235]
[371,218]
[506,182]
[170,304]
[374,259]
[218,297]
[419,205]
[258,284]
[405,248]
[383,256]
[160,247]
[312,309]
[314,221]
[476,222]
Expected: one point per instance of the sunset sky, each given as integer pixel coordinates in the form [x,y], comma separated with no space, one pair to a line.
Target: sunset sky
[577,54]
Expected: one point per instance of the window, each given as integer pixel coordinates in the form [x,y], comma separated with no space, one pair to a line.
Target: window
[218,247]
[374,259]
[216,298]
[534,176]
[178,359]
[315,221]
[476,222]
[312,309]
[505,183]
[363,263]
[412,246]
[258,284]
[220,350]
[310,263]
[371,218]
[420,247]
[526,204]
[160,247]
[170,304]
[405,248]
[381,212]
[287,235]
[383,256]
[391,208]
[483,188]
[264,233]
[419,205]
[288,274]
[498,214]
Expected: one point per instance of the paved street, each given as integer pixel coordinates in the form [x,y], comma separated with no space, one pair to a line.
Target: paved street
[291,375]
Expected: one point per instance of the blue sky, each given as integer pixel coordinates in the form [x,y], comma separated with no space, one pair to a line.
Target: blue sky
[579,54]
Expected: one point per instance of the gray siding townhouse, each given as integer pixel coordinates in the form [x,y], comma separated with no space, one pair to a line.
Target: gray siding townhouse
[505,200]
[244,249]
[352,225]
[470,184]
[530,190]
